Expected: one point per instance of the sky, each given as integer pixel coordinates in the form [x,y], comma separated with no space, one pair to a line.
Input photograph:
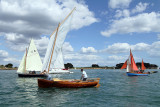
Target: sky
[101,31]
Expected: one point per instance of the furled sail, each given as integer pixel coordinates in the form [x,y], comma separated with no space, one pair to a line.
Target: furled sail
[55,44]
[33,62]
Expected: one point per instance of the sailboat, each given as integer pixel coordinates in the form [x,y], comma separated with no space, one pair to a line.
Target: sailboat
[131,67]
[31,64]
[53,60]
[53,50]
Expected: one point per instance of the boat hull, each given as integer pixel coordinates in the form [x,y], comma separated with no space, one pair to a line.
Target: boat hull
[137,74]
[32,75]
[43,83]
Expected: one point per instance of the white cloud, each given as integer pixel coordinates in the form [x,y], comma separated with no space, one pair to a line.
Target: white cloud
[155,49]
[124,13]
[140,7]
[3,54]
[67,47]
[119,3]
[116,58]
[78,59]
[145,22]
[88,50]
[118,48]
[21,20]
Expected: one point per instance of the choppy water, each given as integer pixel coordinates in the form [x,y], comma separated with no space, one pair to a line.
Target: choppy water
[116,90]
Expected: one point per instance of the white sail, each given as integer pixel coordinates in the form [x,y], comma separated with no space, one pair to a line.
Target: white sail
[33,61]
[61,35]
[21,68]
[59,63]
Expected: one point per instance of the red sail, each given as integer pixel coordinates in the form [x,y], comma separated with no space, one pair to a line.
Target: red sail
[124,65]
[133,64]
[143,67]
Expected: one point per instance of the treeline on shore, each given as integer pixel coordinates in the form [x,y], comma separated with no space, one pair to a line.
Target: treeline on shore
[9,66]
[147,65]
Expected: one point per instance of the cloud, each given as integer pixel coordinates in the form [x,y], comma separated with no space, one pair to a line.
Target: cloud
[67,47]
[155,49]
[22,20]
[145,22]
[122,13]
[116,58]
[158,36]
[78,59]
[3,54]
[118,48]
[140,7]
[119,3]
[88,50]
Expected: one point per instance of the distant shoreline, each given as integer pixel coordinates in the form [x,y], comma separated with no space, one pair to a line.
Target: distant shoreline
[8,68]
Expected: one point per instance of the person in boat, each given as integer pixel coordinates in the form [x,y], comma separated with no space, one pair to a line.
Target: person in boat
[44,72]
[84,75]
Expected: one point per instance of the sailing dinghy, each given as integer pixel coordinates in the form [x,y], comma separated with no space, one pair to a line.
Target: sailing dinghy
[132,69]
[69,83]
[31,64]
[53,50]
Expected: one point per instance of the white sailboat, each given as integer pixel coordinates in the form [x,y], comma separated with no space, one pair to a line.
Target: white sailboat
[30,63]
[53,60]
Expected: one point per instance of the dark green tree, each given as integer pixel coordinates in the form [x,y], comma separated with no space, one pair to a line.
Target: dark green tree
[9,65]
[68,65]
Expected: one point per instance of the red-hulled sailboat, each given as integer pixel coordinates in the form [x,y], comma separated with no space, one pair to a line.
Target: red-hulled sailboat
[132,69]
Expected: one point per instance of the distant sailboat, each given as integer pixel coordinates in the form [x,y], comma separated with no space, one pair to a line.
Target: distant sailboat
[142,66]
[131,67]
[30,63]
[53,60]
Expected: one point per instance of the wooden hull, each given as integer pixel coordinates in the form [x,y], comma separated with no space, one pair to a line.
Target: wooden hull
[43,83]
[137,74]
[32,75]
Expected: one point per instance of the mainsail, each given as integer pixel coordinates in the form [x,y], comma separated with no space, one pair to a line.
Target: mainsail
[31,60]
[59,63]
[55,44]
[130,64]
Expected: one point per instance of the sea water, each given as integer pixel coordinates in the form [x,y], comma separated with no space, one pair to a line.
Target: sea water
[116,90]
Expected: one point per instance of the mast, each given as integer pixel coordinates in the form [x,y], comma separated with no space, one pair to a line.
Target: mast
[63,21]
[25,60]
[53,47]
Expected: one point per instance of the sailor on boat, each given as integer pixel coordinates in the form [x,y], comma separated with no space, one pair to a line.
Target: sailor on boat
[84,75]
